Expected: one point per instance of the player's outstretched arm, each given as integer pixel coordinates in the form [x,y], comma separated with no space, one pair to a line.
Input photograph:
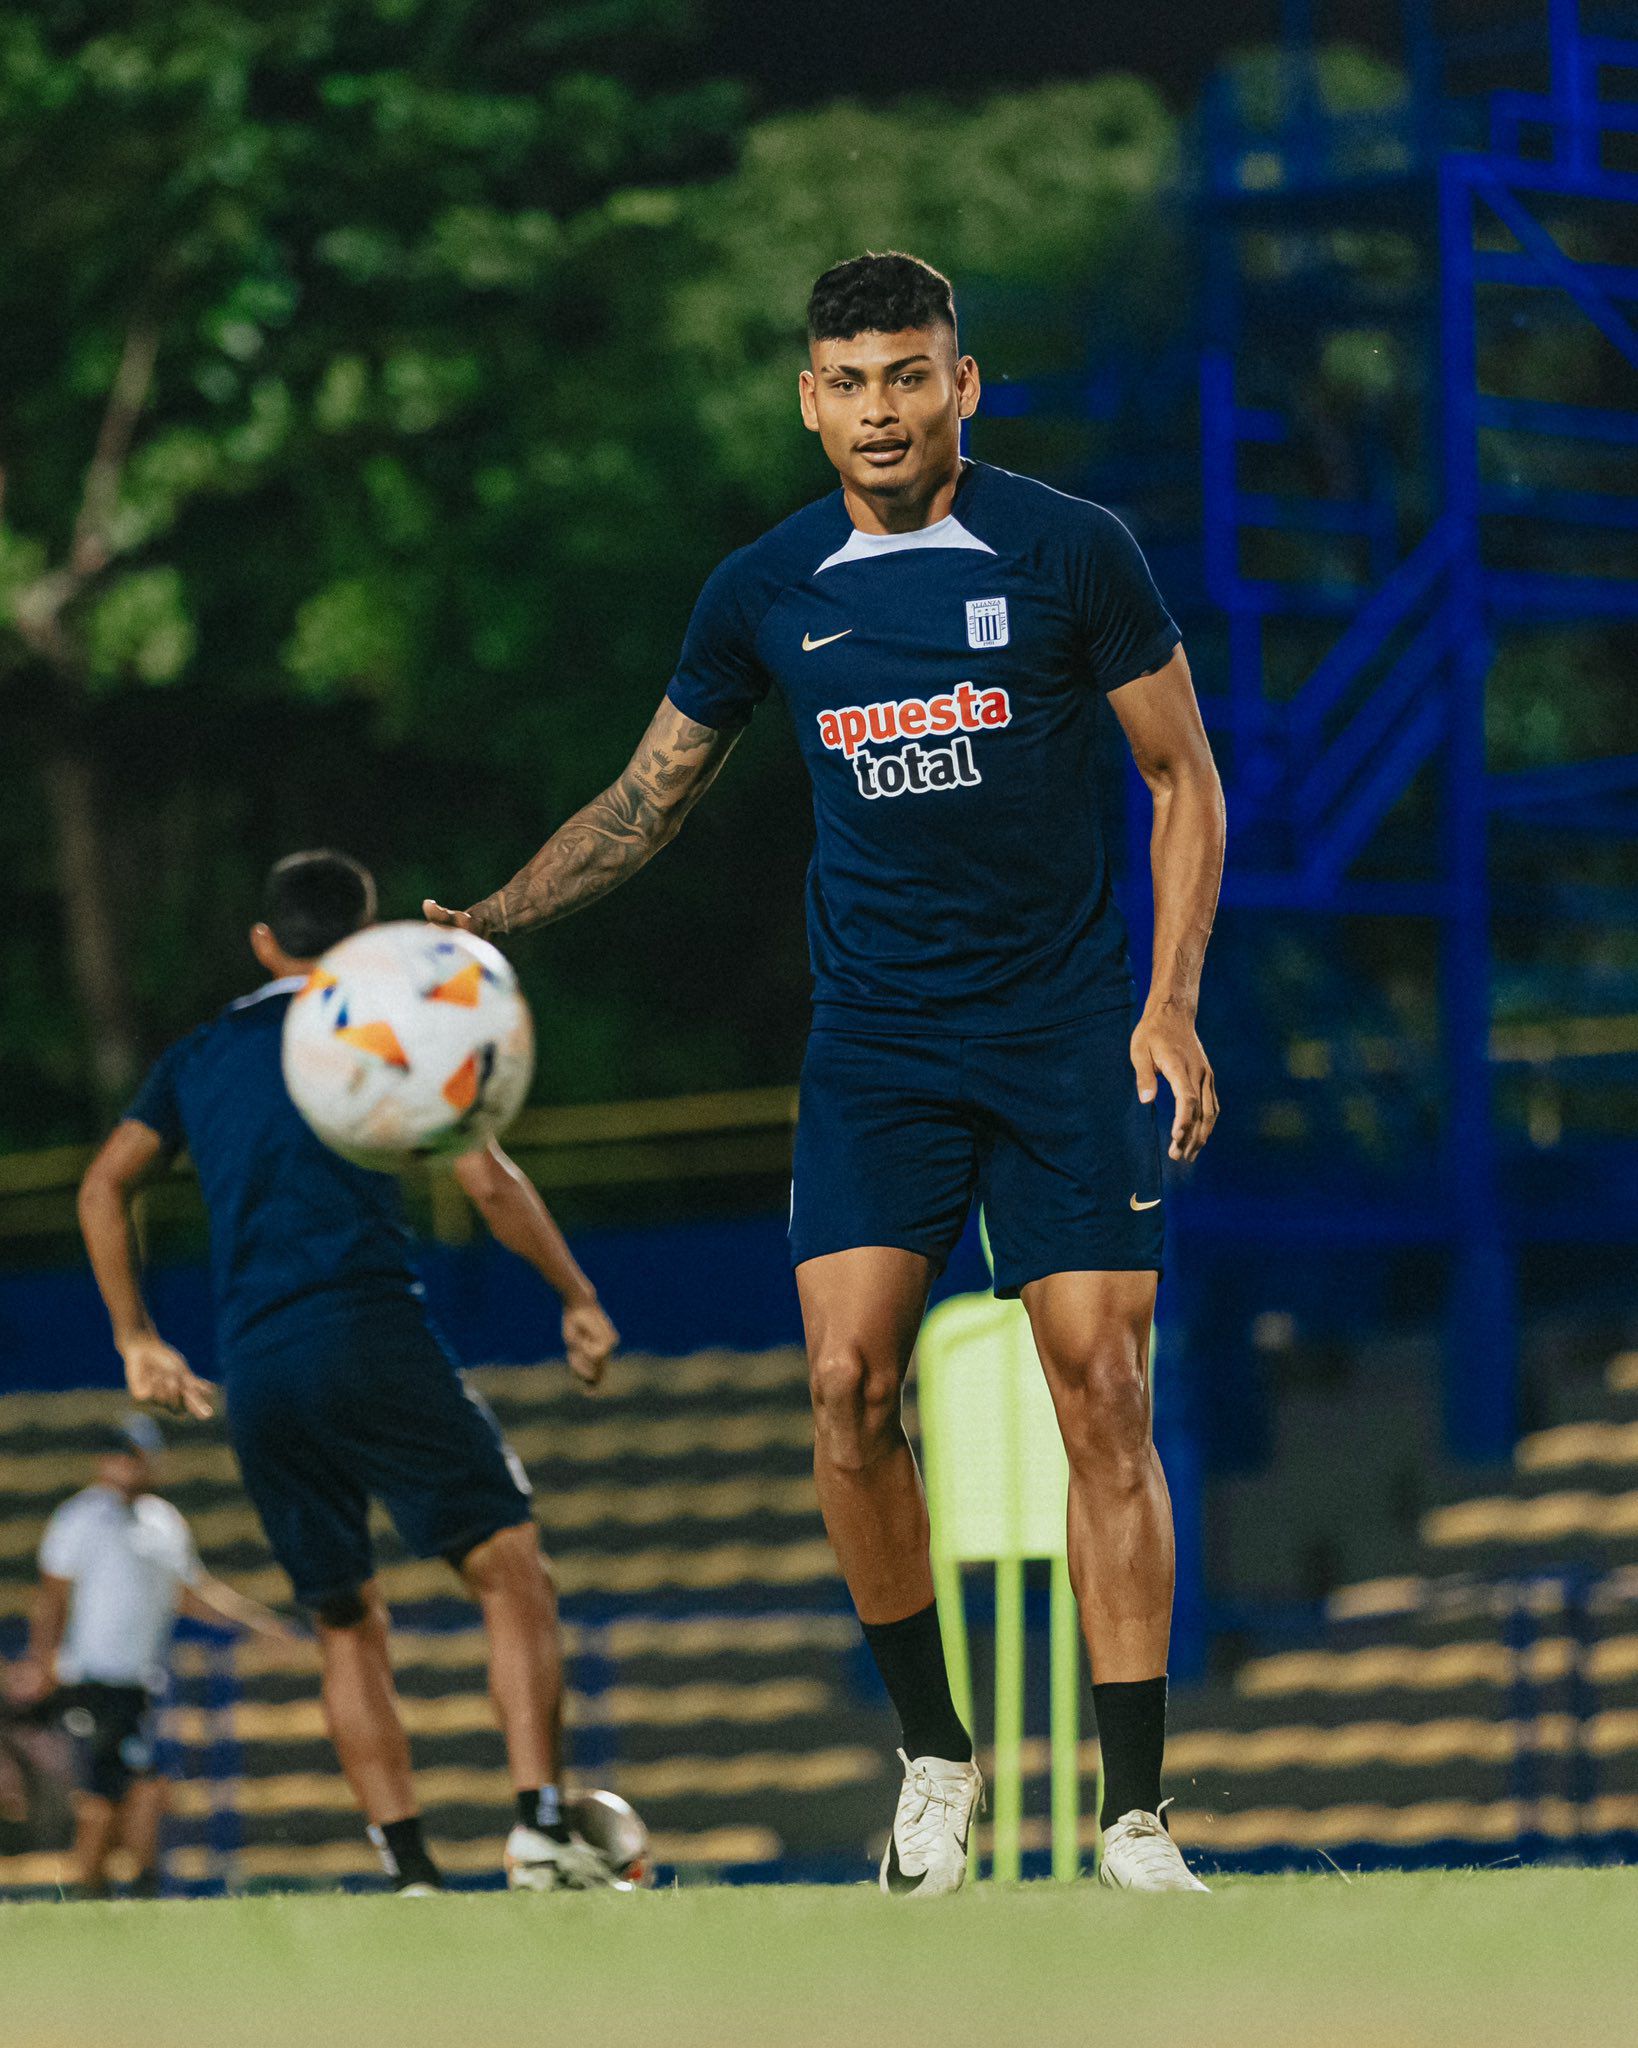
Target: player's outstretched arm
[213,1601]
[510,1204]
[616,834]
[1161,720]
[154,1370]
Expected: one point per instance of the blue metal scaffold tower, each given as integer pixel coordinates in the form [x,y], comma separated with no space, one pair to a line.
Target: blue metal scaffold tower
[1371,584]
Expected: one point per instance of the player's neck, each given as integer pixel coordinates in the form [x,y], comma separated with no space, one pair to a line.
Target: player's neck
[902,511]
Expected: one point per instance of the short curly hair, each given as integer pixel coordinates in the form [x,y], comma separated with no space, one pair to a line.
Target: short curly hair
[879,293]
[311,900]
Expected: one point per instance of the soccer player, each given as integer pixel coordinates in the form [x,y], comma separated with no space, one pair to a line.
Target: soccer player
[942,631]
[339,1388]
[117,1565]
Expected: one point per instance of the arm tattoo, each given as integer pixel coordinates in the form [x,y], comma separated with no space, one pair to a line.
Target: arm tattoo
[618,832]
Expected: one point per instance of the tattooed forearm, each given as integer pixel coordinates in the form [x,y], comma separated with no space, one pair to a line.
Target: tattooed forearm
[616,833]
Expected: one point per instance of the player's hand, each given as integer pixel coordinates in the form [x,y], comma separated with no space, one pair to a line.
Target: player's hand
[28,1682]
[589,1338]
[157,1373]
[435,913]
[1165,1042]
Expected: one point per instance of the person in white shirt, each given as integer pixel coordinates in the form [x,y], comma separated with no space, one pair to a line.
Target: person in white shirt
[117,1566]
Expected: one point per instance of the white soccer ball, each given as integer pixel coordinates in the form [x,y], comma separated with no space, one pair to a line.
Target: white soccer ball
[613,1829]
[408,1041]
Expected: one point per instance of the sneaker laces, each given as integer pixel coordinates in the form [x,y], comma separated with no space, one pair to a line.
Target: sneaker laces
[1146,1835]
[940,1807]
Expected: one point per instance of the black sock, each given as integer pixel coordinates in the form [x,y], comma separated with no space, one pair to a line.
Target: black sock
[404,1852]
[909,1655]
[542,1807]
[1132,1736]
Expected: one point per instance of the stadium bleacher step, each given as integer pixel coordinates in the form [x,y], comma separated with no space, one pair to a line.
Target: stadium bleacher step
[1488,1701]
[1487,1698]
[715,1674]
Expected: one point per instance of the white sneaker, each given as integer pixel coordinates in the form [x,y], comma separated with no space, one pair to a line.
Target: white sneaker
[927,1851]
[1139,1856]
[536,1862]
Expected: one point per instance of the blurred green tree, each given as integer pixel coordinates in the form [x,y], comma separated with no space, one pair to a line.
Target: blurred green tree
[386,380]
[1048,188]
[299,300]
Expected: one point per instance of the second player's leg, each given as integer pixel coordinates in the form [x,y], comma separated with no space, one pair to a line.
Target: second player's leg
[861,1311]
[512,1588]
[436,1457]
[1092,1333]
[362,1715]
[507,1576]
[361,1704]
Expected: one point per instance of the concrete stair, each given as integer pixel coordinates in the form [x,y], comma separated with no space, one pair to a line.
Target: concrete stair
[716,1672]
[1486,1705]
[1483,1707]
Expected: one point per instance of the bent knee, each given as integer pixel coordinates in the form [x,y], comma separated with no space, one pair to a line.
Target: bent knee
[1103,1404]
[508,1564]
[353,1607]
[855,1406]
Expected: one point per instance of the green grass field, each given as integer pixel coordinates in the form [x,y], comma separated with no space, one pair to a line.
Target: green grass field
[1446,1960]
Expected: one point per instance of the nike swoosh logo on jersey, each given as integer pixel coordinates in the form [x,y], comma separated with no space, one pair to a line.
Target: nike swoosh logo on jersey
[1155,1204]
[809,645]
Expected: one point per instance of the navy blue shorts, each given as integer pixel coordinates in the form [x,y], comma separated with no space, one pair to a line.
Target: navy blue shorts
[361,1405]
[896,1135]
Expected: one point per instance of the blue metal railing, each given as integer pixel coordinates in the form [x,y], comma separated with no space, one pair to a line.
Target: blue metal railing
[1315,774]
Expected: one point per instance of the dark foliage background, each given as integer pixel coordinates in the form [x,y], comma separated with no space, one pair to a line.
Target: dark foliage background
[381,383]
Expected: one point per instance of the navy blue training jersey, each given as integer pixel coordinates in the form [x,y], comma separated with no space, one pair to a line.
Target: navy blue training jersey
[944,688]
[294,1228]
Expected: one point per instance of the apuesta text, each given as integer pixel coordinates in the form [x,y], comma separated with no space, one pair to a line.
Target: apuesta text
[916,769]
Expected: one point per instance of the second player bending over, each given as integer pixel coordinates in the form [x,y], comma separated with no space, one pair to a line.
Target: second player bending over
[339,1388]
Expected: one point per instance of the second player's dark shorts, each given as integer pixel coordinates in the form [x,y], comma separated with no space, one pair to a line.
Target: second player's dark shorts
[896,1135]
[113,1730]
[357,1405]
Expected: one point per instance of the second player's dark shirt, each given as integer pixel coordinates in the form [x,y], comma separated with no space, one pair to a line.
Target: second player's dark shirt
[944,688]
[297,1233]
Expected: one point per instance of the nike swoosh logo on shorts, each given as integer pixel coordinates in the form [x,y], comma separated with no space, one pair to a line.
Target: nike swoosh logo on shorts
[809,645]
[1155,1204]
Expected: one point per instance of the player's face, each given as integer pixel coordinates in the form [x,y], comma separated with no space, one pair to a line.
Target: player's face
[888,408]
[127,1472]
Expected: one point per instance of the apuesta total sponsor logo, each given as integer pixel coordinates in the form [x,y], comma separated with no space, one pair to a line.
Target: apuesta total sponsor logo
[916,769]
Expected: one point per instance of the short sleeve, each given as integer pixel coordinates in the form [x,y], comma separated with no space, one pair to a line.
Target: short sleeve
[155,1103]
[719,680]
[60,1546]
[185,1559]
[1126,630]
